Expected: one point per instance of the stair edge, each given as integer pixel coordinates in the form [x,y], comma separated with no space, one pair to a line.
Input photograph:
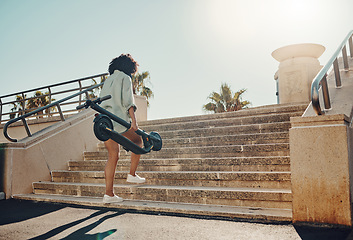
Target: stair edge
[262,215]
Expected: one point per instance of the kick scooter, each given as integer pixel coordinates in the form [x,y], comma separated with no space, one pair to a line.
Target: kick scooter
[103,129]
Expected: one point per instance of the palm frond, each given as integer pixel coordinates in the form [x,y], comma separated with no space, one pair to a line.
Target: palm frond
[226,101]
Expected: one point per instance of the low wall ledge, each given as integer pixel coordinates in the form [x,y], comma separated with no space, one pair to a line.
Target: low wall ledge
[338,119]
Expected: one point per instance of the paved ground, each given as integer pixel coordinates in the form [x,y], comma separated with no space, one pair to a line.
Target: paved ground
[29,220]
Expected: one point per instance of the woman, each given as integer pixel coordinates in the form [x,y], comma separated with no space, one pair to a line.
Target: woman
[119,86]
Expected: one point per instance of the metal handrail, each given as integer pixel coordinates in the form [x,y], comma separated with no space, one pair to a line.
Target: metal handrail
[55,85]
[54,104]
[321,77]
[19,106]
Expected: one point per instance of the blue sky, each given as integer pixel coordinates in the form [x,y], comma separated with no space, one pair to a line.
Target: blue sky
[189,47]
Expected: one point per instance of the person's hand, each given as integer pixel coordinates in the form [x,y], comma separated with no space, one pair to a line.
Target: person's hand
[133,119]
[134,126]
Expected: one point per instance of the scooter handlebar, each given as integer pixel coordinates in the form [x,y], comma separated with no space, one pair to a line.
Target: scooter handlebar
[89,102]
[104,98]
[81,106]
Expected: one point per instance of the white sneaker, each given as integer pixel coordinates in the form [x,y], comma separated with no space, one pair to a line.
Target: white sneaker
[109,199]
[135,179]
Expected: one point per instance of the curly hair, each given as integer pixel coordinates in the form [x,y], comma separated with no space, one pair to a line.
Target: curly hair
[124,63]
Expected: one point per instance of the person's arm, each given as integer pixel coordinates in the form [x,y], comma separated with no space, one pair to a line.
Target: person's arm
[128,101]
[134,125]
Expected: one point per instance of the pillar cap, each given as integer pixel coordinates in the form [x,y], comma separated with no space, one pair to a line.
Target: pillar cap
[298,50]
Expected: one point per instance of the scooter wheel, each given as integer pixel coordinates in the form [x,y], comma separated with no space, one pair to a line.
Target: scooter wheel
[157,144]
[100,123]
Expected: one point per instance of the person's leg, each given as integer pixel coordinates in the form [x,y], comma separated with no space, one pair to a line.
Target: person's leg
[113,157]
[135,158]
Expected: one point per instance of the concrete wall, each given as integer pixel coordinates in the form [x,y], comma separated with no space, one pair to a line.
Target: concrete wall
[32,159]
[321,169]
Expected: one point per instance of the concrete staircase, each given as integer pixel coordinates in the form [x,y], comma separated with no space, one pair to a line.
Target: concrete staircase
[233,165]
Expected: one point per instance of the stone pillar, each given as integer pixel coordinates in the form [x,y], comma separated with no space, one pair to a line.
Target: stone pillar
[321,169]
[298,66]
[141,104]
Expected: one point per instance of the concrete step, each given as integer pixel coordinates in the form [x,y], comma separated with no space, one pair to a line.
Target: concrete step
[275,180]
[279,149]
[225,130]
[263,215]
[192,164]
[236,139]
[239,139]
[230,164]
[222,122]
[269,109]
[243,197]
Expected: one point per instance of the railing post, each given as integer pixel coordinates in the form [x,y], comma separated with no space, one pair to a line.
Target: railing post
[337,73]
[345,59]
[325,92]
[23,103]
[60,112]
[80,97]
[0,110]
[26,127]
[351,46]
[49,92]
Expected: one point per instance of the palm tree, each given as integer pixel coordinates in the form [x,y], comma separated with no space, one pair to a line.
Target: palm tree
[226,101]
[40,100]
[139,87]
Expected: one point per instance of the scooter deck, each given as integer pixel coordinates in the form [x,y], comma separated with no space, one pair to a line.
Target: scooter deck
[126,143]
